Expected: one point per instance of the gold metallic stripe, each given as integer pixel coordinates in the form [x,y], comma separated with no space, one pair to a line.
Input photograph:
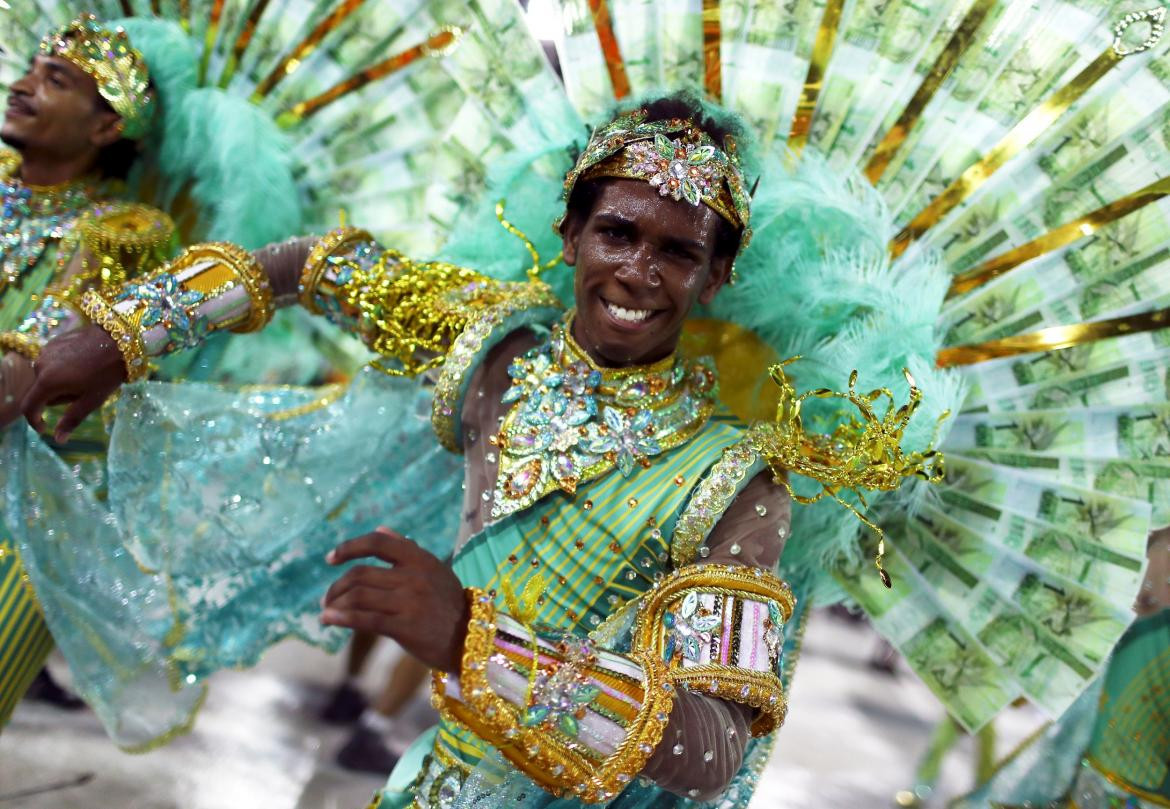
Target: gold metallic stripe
[1058,237]
[437,44]
[1053,338]
[242,41]
[614,62]
[1021,136]
[298,54]
[822,50]
[712,54]
[957,45]
[210,37]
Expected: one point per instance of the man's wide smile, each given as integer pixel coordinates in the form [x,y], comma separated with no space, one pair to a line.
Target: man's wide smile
[628,317]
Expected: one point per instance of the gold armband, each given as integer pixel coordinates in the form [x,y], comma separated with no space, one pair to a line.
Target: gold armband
[625,701]
[720,631]
[208,288]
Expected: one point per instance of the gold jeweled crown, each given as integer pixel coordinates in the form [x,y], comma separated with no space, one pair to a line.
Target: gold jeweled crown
[674,156]
[121,74]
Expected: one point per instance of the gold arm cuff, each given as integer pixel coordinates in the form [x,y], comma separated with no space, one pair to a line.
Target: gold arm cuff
[315,264]
[22,344]
[126,337]
[254,279]
[759,689]
[537,754]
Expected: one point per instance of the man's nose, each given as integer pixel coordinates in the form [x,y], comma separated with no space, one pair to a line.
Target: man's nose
[23,86]
[640,267]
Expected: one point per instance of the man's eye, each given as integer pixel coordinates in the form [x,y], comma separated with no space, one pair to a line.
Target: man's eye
[56,82]
[615,233]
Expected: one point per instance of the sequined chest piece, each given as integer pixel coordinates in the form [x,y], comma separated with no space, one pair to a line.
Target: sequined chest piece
[571,422]
[32,218]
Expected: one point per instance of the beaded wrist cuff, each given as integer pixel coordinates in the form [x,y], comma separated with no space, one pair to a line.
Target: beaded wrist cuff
[720,631]
[126,337]
[22,344]
[575,719]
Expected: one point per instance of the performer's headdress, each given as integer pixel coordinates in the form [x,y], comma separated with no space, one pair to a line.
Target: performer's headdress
[120,71]
[676,157]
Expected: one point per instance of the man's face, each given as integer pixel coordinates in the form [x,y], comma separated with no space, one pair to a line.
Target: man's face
[55,110]
[643,261]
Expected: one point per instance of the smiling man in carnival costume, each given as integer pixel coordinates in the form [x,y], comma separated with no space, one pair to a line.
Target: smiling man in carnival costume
[600,471]
[73,122]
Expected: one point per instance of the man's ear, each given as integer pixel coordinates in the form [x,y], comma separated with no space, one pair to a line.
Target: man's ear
[721,267]
[570,235]
[107,130]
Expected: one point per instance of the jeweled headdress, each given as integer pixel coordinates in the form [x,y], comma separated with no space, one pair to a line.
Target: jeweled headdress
[121,74]
[676,157]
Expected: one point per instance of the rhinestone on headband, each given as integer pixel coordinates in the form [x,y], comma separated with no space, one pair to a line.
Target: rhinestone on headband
[674,156]
[119,70]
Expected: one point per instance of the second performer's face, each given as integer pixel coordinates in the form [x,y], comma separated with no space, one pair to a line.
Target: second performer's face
[55,110]
[642,263]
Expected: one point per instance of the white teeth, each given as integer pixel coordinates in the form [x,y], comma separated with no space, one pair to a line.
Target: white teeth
[628,315]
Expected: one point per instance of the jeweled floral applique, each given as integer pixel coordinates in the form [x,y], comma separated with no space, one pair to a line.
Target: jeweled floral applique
[572,422]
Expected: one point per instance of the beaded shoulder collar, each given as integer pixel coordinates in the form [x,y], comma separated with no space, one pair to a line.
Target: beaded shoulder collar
[572,421]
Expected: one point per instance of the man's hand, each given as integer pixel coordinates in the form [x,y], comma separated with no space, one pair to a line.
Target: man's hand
[83,367]
[16,377]
[418,602]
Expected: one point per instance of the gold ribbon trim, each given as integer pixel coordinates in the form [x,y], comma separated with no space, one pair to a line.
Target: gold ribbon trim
[712,54]
[1019,138]
[438,44]
[957,45]
[814,80]
[1058,237]
[1054,338]
[614,63]
[288,65]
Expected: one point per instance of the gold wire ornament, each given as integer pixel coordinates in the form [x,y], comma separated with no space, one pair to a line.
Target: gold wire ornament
[537,268]
[864,452]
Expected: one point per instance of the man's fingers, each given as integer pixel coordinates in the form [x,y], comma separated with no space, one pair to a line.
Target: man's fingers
[366,598]
[381,578]
[34,404]
[75,414]
[384,544]
[360,620]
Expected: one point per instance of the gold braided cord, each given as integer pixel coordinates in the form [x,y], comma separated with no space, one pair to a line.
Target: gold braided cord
[1053,338]
[861,453]
[1023,134]
[412,312]
[610,50]
[537,268]
[1058,237]
[437,44]
[712,54]
[956,46]
[300,52]
[814,79]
